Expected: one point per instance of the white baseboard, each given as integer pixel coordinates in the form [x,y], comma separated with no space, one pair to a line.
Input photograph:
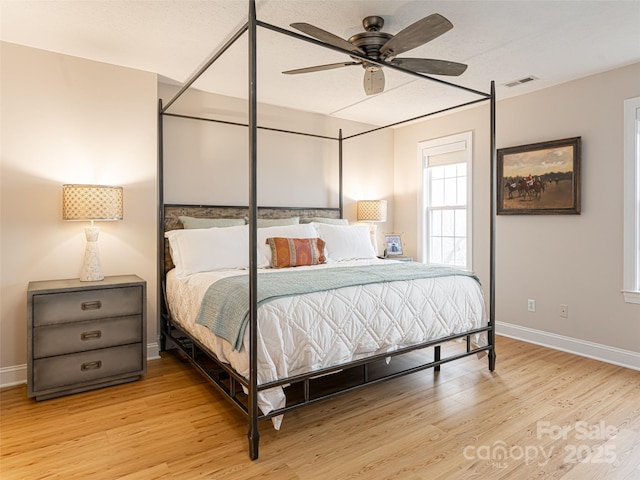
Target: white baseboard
[596,351]
[17,374]
[153,351]
[10,376]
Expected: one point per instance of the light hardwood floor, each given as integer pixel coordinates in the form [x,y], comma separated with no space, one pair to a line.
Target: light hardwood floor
[542,414]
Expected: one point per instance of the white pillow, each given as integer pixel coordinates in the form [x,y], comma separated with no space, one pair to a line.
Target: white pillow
[205,249]
[284,231]
[345,242]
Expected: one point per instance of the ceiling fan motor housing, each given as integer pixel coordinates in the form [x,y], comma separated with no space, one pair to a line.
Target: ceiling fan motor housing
[370,42]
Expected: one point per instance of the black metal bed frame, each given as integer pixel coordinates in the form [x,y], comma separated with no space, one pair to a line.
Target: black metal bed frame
[356,374]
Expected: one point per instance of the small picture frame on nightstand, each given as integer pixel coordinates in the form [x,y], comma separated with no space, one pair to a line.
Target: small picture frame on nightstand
[393,245]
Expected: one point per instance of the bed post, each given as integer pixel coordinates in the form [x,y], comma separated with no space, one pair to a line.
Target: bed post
[340,173]
[160,304]
[254,433]
[492,234]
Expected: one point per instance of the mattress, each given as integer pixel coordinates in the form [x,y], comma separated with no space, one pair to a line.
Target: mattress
[301,334]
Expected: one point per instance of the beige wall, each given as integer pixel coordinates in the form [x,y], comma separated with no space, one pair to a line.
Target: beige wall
[206,162]
[408,179]
[69,120]
[66,119]
[553,259]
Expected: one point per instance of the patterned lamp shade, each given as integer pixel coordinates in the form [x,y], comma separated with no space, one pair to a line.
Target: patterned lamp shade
[372,210]
[92,202]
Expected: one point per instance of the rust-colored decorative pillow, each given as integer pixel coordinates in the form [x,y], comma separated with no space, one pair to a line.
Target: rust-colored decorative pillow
[296,252]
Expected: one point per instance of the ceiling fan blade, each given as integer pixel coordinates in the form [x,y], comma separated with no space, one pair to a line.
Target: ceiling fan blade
[430,66]
[319,68]
[373,80]
[416,34]
[327,37]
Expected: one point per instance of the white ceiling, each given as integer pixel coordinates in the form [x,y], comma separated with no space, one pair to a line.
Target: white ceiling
[555,41]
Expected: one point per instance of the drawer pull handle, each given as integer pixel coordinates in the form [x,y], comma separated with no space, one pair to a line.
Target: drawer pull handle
[95,305]
[91,335]
[91,365]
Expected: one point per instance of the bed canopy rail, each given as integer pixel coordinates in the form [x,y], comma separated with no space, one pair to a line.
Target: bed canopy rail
[250,28]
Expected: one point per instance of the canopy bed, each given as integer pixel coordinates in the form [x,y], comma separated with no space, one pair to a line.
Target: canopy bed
[338,324]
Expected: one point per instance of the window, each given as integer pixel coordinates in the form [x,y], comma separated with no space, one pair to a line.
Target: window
[446,190]
[631,284]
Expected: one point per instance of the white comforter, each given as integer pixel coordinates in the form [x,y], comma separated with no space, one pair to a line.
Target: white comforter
[304,333]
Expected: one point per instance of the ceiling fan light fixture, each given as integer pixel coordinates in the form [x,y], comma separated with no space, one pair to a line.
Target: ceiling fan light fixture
[373,81]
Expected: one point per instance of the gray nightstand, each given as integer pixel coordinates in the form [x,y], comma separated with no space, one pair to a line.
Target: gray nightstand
[85,335]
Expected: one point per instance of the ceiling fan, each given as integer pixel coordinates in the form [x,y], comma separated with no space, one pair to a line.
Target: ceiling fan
[384,47]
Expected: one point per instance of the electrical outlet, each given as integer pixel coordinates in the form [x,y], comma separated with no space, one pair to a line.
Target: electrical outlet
[564,310]
[531,305]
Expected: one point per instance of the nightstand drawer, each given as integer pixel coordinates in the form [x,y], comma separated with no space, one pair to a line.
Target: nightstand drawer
[55,308]
[79,368]
[81,336]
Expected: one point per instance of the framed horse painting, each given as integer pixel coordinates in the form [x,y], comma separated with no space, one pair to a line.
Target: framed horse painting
[540,178]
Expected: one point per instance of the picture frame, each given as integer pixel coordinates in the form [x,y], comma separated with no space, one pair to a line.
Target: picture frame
[540,178]
[393,245]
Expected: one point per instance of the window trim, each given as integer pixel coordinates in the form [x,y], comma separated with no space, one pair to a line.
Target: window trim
[449,143]
[631,255]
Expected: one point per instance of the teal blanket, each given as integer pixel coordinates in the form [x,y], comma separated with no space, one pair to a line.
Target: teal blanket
[225,307]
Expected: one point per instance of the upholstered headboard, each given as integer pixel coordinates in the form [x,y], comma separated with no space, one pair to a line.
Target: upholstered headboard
[172,212]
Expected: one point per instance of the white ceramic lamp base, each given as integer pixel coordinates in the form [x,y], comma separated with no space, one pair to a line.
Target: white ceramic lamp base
[91,268]
[373,234]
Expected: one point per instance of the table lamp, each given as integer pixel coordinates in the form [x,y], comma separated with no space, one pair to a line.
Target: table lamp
[372,211]
[91,203]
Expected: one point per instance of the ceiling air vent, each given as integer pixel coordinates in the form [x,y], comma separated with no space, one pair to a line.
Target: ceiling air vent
[520,81]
